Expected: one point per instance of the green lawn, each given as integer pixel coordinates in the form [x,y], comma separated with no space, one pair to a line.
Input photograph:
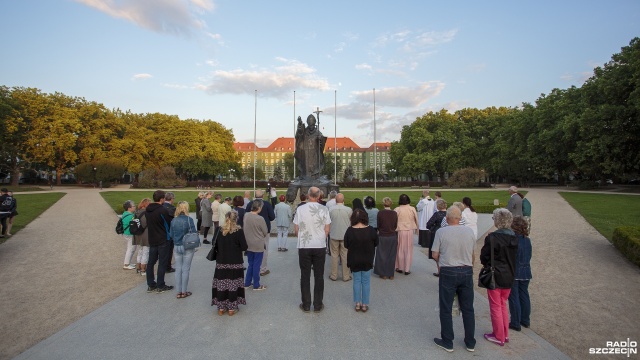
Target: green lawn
[605,212]
[30,206]
[115,199]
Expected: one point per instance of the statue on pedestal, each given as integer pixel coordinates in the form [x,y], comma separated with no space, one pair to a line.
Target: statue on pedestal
[309,152]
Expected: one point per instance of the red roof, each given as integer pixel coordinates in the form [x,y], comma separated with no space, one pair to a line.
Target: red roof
[281,144]
[342,144]
[244,146]
[381,146]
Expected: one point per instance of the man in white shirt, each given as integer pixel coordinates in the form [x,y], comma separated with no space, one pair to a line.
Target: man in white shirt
[223,209]
[426,208]
[312,224]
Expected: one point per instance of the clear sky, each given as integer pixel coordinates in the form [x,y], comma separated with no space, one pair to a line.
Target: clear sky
[204,59]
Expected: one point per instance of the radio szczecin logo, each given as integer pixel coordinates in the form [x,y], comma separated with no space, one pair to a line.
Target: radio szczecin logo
[623,347]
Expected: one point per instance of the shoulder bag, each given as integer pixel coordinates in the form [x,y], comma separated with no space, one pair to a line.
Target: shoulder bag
[487,279]
[191,240]
[213,253]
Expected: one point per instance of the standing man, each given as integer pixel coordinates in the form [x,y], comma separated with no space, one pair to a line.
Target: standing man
[426,208]
[283,220]
[7,207]
[340,221]
[158,225]
[268,215]
[223,209]
[199,211]
[215,208]
[312,224]
[453,248]
[169,198]
[332,199]
[247,198]
[273,195]
[515,202]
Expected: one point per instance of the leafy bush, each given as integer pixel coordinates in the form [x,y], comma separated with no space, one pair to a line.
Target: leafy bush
[160,178]
[627,240]
[467,177]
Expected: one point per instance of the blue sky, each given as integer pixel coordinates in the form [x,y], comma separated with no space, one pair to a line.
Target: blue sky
[204,59]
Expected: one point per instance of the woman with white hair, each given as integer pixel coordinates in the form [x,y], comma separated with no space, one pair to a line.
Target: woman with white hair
[504,245]
[207,215]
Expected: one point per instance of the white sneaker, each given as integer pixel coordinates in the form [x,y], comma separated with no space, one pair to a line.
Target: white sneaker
[129,267]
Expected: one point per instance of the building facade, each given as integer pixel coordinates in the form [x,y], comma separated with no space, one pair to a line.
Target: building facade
[350,154]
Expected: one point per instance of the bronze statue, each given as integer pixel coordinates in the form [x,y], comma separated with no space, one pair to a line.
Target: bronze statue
[309,153]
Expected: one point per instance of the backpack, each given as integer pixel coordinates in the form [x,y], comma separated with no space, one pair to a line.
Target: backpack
[120,227]
[135,226]
[526,207]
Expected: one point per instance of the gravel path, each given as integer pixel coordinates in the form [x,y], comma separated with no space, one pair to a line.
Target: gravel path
[583,292]
[60,267]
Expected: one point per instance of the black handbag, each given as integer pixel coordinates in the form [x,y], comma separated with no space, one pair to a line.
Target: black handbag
[486,278]
[213,253]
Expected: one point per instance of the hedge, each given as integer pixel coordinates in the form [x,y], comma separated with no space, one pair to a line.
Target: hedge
[486,209]
[627,240]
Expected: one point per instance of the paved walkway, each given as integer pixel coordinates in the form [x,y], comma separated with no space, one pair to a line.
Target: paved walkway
[70,297]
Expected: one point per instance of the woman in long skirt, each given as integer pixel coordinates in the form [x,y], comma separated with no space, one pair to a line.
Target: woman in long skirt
[228,288]
[407,227]
[387,249]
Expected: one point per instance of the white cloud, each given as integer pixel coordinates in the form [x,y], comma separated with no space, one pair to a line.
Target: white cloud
[212,63]
[177,17]
[176,86]
[277,82]
[409,97]
[142,76]
[363,66]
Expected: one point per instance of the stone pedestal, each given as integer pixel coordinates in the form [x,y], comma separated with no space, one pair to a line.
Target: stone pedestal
[302,185]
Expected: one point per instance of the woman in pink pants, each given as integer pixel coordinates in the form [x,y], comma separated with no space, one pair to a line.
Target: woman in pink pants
[505,249]
[407,227]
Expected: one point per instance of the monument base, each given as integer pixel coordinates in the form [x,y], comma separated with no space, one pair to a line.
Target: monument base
[302,185]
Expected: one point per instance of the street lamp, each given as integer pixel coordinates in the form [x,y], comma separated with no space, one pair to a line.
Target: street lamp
[231,171]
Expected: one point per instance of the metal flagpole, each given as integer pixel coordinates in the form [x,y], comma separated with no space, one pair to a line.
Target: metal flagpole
[375,150]
[335,138]
[294,134]
[255,147]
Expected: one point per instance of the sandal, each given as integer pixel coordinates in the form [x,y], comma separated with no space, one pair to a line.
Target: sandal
[180,296]
[358,307]
[221,312]
[233,312]
[188,293]
[364,308]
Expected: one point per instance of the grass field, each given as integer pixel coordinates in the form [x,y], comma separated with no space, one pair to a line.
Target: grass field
[115,199]
[30,206]
[605,212]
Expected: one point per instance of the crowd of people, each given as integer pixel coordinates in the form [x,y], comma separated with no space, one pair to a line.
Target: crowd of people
[360,240]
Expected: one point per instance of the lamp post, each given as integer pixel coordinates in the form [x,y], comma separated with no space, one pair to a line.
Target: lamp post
[95,180]
[231,171]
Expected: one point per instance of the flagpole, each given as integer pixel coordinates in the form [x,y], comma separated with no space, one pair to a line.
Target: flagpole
[255,146]
[335,138]
[375,150]
[294,135]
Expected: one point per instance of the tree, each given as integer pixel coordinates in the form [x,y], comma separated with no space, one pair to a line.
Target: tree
[288,165]
[368,174]
[248,173]
[329,169]
[348,173]
[278,174]
[14,130]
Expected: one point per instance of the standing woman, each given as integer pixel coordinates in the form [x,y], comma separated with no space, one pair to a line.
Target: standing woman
[519,301]
[470,216]
[387,220]
[434,223]
[129,208]
[407,227]
[182,224]
[198,213]
[505,249]
[238,206]
[372,211]
[227,291]
[361,241]
[357,204]
[142,240]
[207,215]
[255,232]
[14,212]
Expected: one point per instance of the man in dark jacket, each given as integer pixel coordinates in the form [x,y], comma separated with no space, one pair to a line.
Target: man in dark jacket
[169,197]
[158,223]
[7,206]
[268,215]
